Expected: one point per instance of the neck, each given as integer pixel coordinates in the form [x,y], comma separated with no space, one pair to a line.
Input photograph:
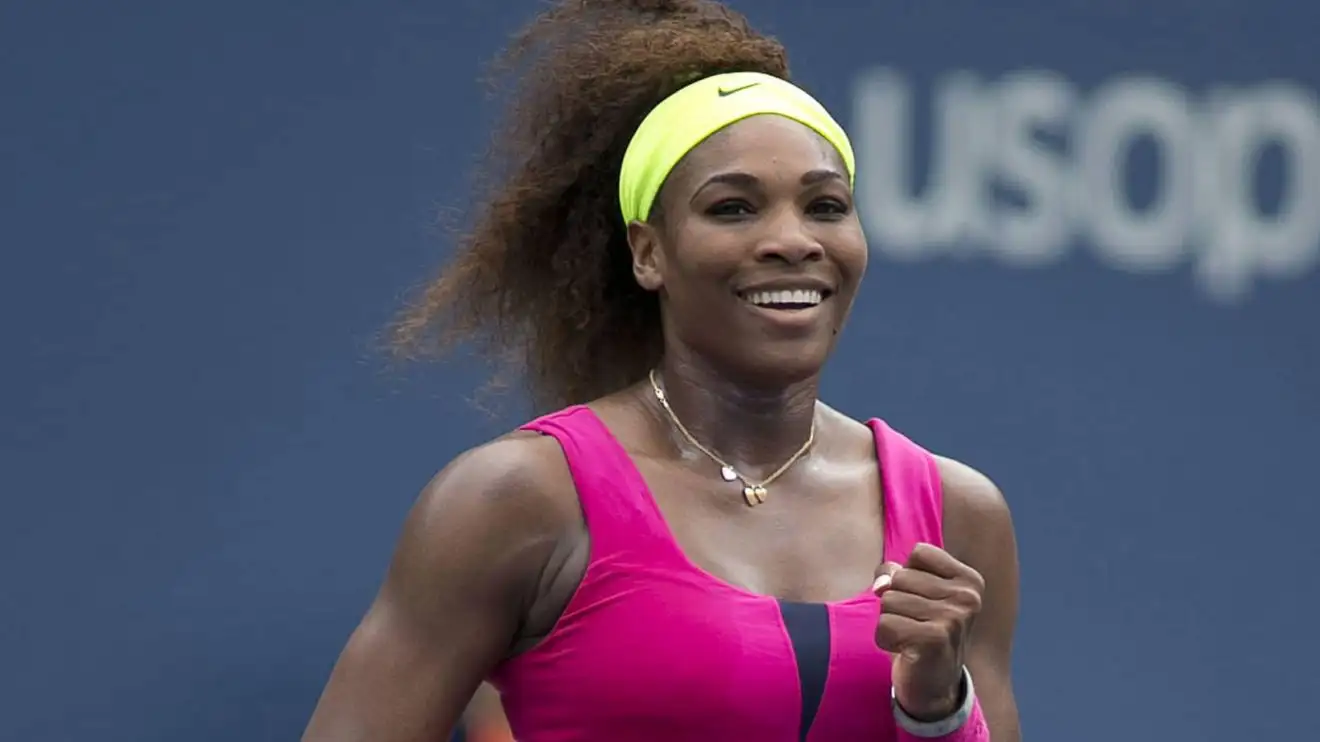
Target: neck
[754,424]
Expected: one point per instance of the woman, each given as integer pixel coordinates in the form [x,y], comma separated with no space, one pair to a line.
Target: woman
[693,547]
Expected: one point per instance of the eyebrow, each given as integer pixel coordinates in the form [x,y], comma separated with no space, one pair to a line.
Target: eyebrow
[812,177]
[747,180]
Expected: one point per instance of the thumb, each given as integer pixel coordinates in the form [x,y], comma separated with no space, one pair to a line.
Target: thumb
[884,577]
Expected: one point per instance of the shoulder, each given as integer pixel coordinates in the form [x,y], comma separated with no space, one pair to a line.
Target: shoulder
[974,514]
[978,525]
[501,508]
[967,491]
[517,470]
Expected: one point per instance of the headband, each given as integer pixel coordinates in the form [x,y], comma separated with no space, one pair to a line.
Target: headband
[686,118]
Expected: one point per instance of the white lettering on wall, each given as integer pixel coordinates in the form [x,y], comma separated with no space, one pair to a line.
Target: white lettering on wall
[1064,154]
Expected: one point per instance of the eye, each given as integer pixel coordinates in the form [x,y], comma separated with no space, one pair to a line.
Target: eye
[730,208]
[829,208]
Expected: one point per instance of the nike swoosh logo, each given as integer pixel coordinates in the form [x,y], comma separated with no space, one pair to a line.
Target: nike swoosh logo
[725,93]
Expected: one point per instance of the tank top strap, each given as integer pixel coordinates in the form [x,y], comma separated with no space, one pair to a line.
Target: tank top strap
[620,514]
[912,491]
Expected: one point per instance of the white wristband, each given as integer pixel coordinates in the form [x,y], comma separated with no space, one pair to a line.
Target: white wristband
[949,724]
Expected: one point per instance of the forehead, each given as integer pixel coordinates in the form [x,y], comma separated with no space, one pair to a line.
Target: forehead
[762,145]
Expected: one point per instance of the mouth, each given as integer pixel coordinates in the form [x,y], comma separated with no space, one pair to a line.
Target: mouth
[785,300]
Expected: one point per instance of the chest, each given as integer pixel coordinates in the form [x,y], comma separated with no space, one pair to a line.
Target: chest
[818,536]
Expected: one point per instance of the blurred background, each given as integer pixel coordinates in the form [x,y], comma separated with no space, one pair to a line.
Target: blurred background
[1096,229]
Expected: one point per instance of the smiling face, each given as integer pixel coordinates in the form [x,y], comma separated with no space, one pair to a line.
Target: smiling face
[757,252]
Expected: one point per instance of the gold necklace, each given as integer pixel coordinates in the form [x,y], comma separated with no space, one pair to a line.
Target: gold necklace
[753,492]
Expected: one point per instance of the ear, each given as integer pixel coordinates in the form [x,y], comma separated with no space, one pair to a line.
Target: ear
[648,258]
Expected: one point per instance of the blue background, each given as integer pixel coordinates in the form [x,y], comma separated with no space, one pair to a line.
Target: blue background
[209,212]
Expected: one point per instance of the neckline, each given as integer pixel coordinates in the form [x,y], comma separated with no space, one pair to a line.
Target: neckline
[636,482]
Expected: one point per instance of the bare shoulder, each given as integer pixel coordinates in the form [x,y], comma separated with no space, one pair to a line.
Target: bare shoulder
[978,526]
[521,477]
[488,525]
[968,492]
[969,495]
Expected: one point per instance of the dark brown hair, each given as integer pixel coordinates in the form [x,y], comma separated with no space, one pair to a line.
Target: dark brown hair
[542,281]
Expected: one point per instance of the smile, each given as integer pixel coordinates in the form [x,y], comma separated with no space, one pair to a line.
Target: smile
[785,299]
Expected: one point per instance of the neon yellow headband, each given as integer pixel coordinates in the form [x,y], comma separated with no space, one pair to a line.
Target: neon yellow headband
[686,118]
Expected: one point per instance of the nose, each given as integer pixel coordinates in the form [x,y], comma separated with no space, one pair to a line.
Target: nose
[788,241]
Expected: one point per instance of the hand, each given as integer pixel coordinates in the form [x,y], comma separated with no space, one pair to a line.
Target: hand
[926,614]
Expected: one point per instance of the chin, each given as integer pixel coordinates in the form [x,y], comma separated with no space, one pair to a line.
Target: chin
[784,363]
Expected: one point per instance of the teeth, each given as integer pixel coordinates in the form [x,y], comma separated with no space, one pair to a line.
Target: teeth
[808,297]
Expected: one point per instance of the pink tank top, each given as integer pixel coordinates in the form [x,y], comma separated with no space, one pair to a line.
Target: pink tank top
[652,647]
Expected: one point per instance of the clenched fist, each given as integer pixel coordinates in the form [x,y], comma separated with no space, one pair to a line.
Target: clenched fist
[927,607]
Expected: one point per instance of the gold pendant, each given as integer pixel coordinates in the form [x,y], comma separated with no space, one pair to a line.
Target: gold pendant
[754,495]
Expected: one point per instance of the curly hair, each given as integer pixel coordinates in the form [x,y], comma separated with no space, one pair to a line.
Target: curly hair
[542,281]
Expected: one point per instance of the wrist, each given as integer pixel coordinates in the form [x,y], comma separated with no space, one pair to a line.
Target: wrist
[935,708]
[951,721]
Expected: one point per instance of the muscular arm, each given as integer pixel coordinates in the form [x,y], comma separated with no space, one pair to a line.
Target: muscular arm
[978,531]
[466,563]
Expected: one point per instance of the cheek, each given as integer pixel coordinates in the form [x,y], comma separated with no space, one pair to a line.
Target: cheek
[852,255]
[705,261]
[860,258]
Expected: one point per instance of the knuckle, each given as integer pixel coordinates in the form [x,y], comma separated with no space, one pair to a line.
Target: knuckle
[969,599]
[897,603]
[977,579]
[902,578]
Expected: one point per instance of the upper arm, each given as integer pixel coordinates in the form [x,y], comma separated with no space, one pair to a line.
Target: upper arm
[470,554]
[978,530]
